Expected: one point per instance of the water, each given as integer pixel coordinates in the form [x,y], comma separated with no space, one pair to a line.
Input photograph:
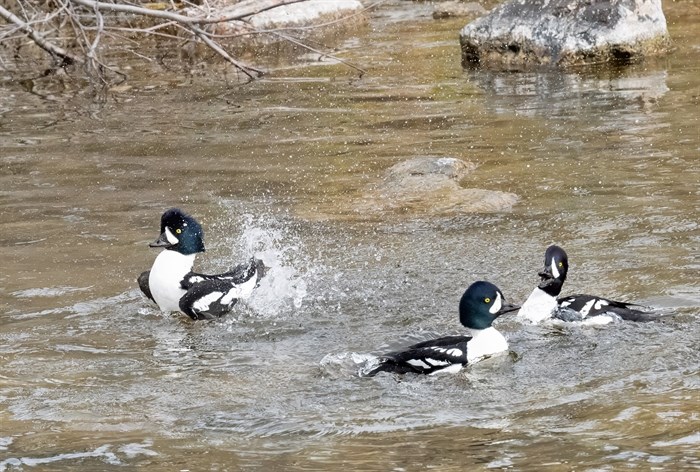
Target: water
[603,162]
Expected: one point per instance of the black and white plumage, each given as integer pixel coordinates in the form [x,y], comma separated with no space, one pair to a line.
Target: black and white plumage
[543,304]
[480,305]
[173,286]
[586,307]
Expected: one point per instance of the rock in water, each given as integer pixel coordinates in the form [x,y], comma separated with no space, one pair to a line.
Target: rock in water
[426,186]
[522,33]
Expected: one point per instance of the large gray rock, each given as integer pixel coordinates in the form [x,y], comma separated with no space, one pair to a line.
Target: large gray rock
[565,32]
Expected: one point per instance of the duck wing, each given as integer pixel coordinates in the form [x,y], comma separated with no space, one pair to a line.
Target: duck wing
[209,299]
[580,306]
[238,275]
[426,357]
[144,286]
[212,296]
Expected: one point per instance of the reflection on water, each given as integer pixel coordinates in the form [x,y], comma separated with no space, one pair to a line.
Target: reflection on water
[602,162]
[634,90]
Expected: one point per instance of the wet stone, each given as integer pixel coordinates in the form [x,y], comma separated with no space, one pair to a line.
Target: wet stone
[458,9]
[523,33]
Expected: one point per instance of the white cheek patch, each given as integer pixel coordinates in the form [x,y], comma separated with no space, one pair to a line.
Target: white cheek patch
[171,237]
[555,271]
[496,307]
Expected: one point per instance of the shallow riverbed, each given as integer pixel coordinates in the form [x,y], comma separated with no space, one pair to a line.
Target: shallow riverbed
[604,162]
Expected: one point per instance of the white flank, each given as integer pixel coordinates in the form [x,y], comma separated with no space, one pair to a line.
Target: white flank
[587,308]
[168,270]
[171,237]
[454,352]
[435,362]
[497,303]
[418,363]
[538,307]
[484,343]
[598,320]
[203,303]
[451,369]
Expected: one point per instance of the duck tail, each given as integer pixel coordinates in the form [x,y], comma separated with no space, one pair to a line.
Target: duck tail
[259,268]
[380,364]
[640,316]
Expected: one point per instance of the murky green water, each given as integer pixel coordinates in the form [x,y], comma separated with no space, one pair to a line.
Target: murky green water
[604,162]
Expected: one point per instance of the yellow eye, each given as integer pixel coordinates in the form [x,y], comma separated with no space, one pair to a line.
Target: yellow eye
[487,300]
[178,231]
[561,264]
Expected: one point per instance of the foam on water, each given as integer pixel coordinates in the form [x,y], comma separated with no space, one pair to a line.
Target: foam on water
[345,364]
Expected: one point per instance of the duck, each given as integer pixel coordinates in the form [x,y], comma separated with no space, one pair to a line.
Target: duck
[174,287]
[543,304]
[479,306]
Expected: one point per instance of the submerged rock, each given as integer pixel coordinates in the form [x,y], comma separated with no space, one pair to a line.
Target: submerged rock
[458,9]
[430,186]
[565,32]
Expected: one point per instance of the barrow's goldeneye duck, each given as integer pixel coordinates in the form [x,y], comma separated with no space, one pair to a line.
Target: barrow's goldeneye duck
[480,305]
[173,286]
[543,304]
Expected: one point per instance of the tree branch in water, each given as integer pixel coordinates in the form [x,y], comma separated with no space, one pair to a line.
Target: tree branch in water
[90,24]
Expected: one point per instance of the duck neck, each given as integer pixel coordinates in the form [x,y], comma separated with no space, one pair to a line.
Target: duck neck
[552,287]
[538,306]
[485,343]
[172,264]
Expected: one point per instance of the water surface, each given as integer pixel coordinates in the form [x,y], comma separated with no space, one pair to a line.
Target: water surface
[604,162]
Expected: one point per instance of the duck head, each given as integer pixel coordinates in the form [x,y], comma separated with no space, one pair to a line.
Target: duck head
[553,274]
[482,303]
[180,232]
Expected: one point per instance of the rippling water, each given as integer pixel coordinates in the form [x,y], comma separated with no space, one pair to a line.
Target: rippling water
[604,163]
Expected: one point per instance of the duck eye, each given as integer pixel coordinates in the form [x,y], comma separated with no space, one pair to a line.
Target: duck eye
[561,264]
[178,231]
[487,300]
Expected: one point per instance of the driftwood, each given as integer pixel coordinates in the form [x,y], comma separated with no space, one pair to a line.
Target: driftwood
[45,24]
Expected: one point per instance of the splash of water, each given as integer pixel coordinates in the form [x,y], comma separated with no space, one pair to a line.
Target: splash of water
[284,286]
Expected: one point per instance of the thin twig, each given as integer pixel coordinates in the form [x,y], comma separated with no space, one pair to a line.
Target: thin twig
[91,54]
[323,54]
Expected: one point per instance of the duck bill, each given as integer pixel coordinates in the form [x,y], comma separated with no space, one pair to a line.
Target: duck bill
[162,241]
[507,308]
[546,273]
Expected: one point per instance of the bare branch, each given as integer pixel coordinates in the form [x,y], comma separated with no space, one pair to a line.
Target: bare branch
[238,12]
[47,46]
[251,72]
